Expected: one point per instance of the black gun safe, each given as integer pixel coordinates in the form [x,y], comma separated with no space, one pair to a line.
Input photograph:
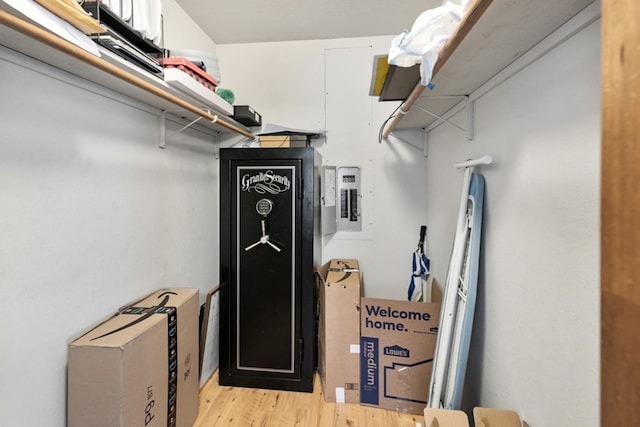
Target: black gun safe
[269,248]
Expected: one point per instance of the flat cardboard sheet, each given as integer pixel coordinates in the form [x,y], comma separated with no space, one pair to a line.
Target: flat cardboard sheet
[482,417]
[445,418]
[491,417]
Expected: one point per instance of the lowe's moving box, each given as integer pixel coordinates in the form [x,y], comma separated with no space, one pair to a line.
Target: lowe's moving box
[140,367]
[397,345]
[339,330]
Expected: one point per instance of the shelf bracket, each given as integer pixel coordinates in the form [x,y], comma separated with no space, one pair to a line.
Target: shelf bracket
[162,128]
[425,143]
[469,109]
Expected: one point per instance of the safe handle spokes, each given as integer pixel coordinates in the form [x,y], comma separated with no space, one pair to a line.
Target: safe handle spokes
[264,239]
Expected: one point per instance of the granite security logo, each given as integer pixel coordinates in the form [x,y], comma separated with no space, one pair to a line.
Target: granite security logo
[266,182]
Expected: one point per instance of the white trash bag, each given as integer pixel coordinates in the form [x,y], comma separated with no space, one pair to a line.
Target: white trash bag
[428,34]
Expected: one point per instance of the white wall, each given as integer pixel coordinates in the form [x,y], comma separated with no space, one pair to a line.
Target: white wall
[180,32]
[93,215]
[536,342]
[324,85]
[535,347]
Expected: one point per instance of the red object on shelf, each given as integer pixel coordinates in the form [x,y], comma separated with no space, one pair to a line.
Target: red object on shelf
[191,69]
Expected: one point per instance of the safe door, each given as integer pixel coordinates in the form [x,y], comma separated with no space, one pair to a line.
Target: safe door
[264,302]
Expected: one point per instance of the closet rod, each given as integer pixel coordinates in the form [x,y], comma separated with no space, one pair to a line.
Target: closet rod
[475,11]
[64,46]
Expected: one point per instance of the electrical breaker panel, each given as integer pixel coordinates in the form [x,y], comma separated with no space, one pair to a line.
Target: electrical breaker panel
[349,199]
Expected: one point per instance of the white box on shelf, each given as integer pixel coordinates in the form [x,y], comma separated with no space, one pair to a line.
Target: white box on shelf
[184,82]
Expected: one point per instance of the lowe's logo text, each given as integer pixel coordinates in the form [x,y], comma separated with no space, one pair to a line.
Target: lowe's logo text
[397,351]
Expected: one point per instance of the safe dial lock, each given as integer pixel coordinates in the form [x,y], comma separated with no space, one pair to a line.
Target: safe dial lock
[264,207]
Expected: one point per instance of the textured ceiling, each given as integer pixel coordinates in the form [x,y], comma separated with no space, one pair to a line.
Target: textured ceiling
[253,21]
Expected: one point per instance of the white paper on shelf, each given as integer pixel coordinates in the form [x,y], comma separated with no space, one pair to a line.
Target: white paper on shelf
[127,7]
[114,5]
[155,18]
[270,129]
[53,23]
[140,18]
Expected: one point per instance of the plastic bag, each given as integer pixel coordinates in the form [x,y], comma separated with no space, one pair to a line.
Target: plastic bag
[429,33]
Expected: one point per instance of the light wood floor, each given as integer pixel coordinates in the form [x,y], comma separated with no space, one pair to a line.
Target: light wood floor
[238,406]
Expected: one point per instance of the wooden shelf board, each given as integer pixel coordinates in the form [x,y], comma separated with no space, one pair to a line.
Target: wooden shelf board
[506,30]
[15,40]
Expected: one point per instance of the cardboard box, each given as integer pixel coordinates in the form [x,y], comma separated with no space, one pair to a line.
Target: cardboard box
[445,418]
[339,330]
[485,417]
[283,141]
[397,345]
[493,417]
[140,367]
